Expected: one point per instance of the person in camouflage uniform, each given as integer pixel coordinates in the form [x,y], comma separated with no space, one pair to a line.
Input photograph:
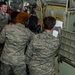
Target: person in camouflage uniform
[4,17]
[15,37]
[40,54]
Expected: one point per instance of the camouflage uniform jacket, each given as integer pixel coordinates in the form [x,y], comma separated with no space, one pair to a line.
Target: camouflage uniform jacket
[15,38]
[4,19]
[41,53]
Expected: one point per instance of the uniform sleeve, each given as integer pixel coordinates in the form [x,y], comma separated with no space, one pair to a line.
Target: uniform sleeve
[56,44]
[3,35]
[29,53]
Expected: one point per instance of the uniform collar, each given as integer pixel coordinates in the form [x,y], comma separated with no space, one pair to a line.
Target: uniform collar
[2,12]
[19,24]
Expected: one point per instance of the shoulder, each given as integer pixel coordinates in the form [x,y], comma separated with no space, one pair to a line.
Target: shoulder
[55,38]
[55,41]
[37,37]
[7,14]
[28,32]
[9,26]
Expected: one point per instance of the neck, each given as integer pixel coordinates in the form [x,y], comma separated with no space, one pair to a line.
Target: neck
[48,30]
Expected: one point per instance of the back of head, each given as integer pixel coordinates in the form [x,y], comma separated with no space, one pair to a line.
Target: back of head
[22,17]
[49,22]
[33,23]
[13,16]
[33,20]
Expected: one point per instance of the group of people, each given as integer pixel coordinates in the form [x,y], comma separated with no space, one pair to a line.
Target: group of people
[27,45]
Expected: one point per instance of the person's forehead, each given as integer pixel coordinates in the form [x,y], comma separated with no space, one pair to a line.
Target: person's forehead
[4,6]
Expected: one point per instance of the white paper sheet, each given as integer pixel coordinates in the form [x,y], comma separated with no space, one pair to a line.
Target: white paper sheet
[58,24]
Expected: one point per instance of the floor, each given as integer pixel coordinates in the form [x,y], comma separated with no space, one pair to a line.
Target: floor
[64,68]
[56,65]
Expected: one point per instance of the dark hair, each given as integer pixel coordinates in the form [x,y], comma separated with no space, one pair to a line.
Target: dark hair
[33,23]
[2,3]
[14,14]
[49,22]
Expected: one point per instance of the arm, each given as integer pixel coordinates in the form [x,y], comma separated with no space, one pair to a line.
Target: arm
[56,43]
[29,53]
[3,35]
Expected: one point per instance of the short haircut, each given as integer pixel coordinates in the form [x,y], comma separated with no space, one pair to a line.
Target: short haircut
[22,17]
[2,3]
[49,22]
[33,23]
[14,14]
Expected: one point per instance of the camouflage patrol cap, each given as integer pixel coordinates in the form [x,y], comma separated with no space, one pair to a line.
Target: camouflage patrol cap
[22,17]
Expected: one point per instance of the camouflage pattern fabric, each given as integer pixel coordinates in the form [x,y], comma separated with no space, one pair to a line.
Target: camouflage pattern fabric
[15,38]
[40,54]
[17,70]
[4,18]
